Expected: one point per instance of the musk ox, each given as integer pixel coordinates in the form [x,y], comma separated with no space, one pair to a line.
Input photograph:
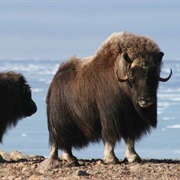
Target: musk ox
[111,95]
[15,100]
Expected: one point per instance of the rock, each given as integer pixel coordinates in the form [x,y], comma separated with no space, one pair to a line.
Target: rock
[99,162]
[81,173]
[5,155]
[18,156]
[49,164]
[15,155]
[33,177]
[1,159]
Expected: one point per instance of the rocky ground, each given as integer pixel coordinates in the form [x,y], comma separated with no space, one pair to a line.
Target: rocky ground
[20,166]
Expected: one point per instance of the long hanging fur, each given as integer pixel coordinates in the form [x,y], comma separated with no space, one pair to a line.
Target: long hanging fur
[86,102]
[15,100]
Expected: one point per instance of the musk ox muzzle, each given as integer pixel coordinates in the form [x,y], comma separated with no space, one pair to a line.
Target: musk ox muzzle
[145,102]
[30,108]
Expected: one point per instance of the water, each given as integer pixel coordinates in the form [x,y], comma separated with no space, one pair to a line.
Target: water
[30,136]
[52,29]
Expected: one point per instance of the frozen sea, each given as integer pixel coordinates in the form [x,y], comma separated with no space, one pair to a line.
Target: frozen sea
[30,136]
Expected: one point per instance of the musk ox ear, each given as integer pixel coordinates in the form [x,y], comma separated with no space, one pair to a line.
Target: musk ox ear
[161,54]
[126,58]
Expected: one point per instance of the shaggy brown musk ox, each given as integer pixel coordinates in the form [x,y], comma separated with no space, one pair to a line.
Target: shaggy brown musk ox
[15,100]
[111,95]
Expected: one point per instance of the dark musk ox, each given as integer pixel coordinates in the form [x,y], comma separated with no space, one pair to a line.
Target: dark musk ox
[15,100]
[111,95]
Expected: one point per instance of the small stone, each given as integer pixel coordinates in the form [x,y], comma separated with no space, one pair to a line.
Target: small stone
[81,173]
[99,163]
[33,177]
[1,159]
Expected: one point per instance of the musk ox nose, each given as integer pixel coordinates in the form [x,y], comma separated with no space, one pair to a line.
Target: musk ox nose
[30,108]
[144,102]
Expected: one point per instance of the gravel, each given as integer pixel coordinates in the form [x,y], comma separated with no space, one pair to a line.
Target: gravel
[18,166]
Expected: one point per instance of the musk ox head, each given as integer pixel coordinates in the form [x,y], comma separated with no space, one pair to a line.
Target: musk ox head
[15,100]
[141,59]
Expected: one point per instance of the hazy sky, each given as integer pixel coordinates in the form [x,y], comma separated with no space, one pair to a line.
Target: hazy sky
[40,29]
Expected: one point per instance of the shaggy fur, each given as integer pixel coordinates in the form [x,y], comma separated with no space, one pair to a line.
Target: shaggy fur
[15,100]
[87,103]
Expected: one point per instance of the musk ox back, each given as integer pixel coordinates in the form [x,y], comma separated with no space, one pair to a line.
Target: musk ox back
[110,95]
[15,100]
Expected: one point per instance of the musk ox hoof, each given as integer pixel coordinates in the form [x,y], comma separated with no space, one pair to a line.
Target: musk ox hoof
[73,163]
[132,159]
[49,164]
[114,160]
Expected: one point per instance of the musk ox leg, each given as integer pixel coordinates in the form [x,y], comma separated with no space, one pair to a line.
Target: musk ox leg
[109,155]
[54,152]
[130,152]
[67,155]
[52,162]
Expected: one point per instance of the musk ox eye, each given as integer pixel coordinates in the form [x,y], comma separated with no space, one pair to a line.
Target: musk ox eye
[128,66]
[131,75]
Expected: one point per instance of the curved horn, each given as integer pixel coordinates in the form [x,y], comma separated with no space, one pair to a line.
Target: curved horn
[121,79]
[166,79]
